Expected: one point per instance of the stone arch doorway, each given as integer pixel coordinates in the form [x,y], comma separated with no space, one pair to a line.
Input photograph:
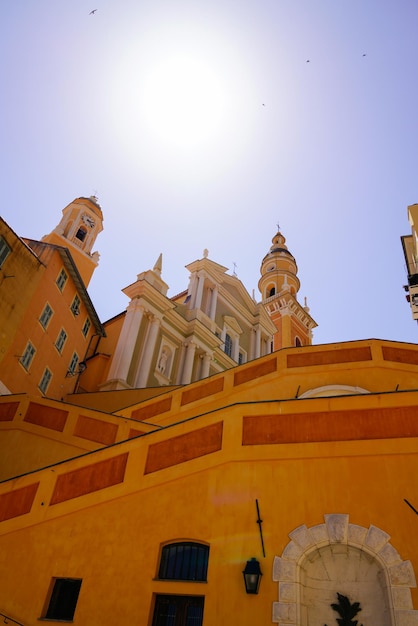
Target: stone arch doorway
[339,557]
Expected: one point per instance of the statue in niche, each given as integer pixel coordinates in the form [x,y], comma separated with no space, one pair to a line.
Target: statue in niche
[162,363]
[346,610]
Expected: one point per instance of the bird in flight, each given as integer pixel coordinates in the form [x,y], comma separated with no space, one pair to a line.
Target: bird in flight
[93,12]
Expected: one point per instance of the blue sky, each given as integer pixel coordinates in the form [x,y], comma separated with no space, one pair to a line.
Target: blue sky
[204,123]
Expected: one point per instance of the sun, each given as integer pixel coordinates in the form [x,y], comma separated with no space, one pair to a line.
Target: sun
[180,102]
[183,102]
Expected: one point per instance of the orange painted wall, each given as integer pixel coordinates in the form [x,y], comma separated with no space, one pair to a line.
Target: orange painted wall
[104,516]
[12,373]
[19,277]
[111,535]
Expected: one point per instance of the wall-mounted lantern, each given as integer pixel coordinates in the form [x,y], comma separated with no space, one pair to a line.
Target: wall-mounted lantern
[252,576]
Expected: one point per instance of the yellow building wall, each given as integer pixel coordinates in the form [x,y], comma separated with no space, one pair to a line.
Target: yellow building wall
[98,366]
[114,545]
[19,276]
[104,516]
[12,373]
[84,262]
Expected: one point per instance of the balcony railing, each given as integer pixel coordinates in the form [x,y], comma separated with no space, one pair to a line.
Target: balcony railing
[9,620]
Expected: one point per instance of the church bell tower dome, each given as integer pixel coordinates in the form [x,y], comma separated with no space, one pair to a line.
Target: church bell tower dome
[278,270]
[279,286]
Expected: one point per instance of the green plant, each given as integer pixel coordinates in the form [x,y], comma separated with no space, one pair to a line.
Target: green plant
[346,610]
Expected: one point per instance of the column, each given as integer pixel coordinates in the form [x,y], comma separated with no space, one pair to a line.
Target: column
[199,293]
[235,348]
[192,291]
[213,302]
[188,363]
[252,347]
[286,331]
[180,366]
[122,357]
[148,352]
[206,359]
[257,342]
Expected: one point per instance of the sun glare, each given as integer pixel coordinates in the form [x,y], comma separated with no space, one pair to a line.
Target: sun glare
[184,102]
[181,101]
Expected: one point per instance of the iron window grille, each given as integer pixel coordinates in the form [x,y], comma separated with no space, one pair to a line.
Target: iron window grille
[173,610]
[185,560]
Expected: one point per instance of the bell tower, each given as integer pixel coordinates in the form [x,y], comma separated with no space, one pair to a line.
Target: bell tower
[81,222]
[279,286]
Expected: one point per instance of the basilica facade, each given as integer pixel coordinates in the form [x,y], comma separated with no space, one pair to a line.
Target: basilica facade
[212,325]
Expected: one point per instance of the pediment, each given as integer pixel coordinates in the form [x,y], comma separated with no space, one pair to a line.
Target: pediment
[232,323]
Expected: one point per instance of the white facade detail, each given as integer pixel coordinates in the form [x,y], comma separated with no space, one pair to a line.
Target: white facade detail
[340,557]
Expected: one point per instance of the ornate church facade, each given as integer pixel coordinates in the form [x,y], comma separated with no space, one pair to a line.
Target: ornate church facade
[213,325]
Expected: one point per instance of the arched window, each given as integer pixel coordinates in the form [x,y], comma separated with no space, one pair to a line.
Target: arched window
[184,560]
[81,234]
[298,342]
[228,345]
[271,292]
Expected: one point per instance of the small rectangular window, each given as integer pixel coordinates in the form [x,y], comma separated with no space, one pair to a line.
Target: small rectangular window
[61,280]
[86,327]
[75,306]
[45,316]
[61,339]
[45,380]
[27,356]
[5,250]
[63,599]
[73,363]
[171,610]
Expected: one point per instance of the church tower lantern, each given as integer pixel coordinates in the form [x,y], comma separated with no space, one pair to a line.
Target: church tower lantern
[279,286]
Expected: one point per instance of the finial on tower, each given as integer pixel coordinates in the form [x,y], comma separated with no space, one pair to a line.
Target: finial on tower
[158,265]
